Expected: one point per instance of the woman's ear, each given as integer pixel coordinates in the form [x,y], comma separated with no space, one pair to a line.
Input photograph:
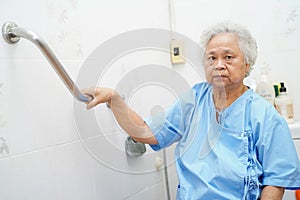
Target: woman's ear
[247,69]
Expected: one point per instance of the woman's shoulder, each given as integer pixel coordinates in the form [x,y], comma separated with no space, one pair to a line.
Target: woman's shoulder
[260,102]
[201,88]
[263,109]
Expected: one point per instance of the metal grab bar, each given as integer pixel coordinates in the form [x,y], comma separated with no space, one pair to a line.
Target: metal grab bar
[12,33]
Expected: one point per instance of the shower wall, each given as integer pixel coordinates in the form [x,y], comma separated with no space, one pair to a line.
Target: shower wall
[42,154]
[44,151]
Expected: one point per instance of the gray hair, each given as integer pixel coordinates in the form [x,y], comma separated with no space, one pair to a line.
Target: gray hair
[247,43]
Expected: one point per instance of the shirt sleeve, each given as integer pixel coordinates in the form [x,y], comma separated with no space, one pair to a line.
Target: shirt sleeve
[278,155]
[169,128]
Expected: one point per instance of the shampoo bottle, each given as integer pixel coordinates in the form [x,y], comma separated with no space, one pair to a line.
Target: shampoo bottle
[284,104]
[265,87]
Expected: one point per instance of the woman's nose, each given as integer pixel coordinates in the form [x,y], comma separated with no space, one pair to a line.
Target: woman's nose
[220,64]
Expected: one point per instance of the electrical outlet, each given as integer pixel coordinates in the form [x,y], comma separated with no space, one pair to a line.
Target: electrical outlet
[177,52]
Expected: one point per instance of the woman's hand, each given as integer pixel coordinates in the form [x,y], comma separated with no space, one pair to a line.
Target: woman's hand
[100,95]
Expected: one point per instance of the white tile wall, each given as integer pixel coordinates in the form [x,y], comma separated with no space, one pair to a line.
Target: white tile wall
[62,172]
[116,184]
[46,159]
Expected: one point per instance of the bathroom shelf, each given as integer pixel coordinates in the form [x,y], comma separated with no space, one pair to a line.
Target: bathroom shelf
[295,130]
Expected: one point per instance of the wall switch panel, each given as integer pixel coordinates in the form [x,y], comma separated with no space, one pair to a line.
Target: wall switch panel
[177,51]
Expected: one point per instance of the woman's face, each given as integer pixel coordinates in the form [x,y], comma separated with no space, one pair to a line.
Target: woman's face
[224,62]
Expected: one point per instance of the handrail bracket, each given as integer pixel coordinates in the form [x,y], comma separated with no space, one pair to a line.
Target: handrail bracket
[7,34]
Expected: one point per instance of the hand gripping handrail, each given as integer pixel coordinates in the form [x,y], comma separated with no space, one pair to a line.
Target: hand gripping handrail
[12,33]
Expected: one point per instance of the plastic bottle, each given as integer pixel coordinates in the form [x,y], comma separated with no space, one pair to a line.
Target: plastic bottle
[264,86]
[284,104]
[297,194]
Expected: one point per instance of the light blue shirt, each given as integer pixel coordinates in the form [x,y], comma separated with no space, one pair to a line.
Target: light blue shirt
[230,157]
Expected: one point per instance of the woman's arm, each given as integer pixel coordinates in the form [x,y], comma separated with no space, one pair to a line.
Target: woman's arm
[127,118]
[272,193]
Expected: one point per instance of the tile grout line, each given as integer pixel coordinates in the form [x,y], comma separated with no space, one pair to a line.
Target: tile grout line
[55,145]
[41,149]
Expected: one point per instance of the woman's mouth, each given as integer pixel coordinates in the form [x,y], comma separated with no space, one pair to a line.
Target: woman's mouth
[219,77]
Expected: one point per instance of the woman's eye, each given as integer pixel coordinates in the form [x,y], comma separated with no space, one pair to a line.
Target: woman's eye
[211,58]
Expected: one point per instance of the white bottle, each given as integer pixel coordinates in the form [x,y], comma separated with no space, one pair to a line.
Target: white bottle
[284,105]
[264,86]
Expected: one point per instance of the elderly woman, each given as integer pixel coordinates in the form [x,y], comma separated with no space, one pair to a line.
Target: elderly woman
[232,144]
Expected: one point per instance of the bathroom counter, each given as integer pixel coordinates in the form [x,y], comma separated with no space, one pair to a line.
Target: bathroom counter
[295,130]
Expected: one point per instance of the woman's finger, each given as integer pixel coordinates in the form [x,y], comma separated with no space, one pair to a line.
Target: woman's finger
[91,104]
